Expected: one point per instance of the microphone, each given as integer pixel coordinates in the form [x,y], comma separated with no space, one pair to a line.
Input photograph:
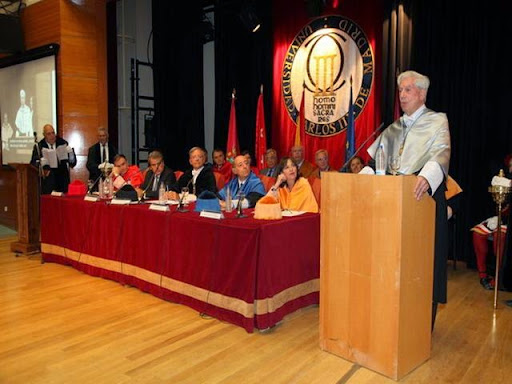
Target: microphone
[379,129]
[93,184]
[35,136]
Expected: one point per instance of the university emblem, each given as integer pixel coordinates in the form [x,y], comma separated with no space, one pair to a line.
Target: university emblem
[318,66]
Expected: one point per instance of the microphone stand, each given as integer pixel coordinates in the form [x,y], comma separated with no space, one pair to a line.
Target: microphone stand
[344,166]
[147,187]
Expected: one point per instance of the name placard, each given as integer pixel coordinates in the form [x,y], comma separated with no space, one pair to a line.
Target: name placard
[120,201]
[55,193]
[159,207]
[212,215]
[91,198]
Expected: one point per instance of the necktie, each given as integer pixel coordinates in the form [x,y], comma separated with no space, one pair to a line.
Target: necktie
[103,154]
[155,182]
[51,146]
[269,172]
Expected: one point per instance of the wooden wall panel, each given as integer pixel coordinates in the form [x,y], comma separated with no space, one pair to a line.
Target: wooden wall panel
[78,56]
[80,95]
[8,197]
[41,24]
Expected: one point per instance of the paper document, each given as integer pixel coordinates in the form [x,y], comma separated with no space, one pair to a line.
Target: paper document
[290,213]
[49,158]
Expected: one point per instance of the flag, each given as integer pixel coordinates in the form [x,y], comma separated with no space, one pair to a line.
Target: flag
[351,134]
[396,106]
[301,120]
[232,147]
[261,134]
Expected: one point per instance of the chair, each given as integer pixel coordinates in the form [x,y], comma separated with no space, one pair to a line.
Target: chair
[220,181]
[267,181]
[178,174]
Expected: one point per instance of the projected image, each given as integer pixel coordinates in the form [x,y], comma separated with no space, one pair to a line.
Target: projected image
[27,103]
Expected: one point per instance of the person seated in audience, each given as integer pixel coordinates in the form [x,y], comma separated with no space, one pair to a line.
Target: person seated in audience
[356,165]
[271,163]
[198,178]
[157,174]
[220,165]
[245,182]
[247,155]
[122,173]
[305,167]
[322,163]
[293,191]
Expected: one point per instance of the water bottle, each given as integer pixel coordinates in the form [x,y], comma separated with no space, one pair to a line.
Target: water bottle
[380,160]
[161,193]
[100,189]
[229,208]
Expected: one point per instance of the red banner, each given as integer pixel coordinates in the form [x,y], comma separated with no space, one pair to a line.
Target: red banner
[232,147]
[260,134]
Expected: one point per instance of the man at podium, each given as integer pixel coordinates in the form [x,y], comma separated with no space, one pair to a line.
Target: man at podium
[421,140]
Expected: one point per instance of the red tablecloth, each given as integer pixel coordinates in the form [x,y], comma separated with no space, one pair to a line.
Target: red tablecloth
[245,271]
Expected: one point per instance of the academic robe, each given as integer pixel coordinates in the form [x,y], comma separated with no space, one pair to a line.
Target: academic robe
[252,188]
[300,198]
[58,179]
[428,139]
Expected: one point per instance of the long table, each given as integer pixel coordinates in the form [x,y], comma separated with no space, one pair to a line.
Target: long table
[244,271]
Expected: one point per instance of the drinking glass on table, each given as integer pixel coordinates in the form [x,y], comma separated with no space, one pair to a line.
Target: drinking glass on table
[394,164]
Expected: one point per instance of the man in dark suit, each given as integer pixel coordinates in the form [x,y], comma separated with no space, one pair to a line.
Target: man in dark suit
[199,178]
[158,174]
[99,153]
[271,163]
[55,157]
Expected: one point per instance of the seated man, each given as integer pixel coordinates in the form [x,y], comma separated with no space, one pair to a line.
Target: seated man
[220,165]
[245,182]
[304,166]
[271,163]
[157,174]
[247,155]
[123,174]
[197,179]
[322,162]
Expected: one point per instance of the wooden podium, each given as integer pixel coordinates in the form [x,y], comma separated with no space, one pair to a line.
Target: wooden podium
[376,271]
[27,189]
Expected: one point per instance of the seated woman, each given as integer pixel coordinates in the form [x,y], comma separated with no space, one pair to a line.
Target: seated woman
[356,165]
[293,191]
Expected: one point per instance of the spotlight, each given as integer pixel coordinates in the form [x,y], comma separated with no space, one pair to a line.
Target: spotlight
[248,17]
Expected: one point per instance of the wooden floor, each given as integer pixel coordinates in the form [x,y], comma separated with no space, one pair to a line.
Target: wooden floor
[58,325]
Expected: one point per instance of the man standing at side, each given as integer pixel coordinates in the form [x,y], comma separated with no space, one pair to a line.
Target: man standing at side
[99,153]
[246,182]
[421,138]
[55,157]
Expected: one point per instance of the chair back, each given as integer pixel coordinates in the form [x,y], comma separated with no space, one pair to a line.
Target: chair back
[219,180]
[267,181]
[178,174]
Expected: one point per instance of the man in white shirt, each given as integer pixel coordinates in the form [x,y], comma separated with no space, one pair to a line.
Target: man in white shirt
[100,153]
[24,117]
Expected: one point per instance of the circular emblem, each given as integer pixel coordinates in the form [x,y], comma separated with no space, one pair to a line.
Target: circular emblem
[327,59]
